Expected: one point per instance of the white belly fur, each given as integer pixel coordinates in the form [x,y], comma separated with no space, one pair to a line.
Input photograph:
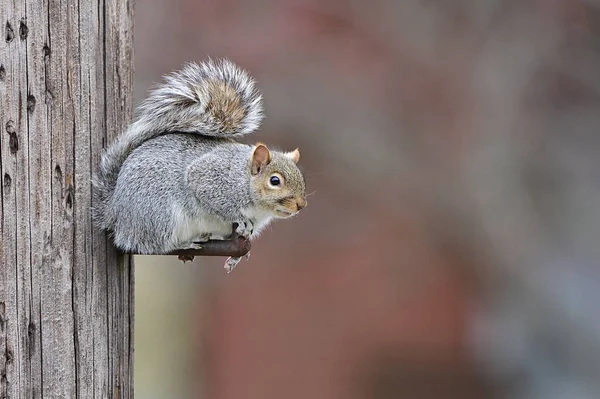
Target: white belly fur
[189,229]
[261,219]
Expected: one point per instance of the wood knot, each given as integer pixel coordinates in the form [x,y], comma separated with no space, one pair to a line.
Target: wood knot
[9,33]
[23,29]
[13,141]
[2,315]
[58,173]
[30,103]
[31,329]
[46,50]
[7,181]
[69,197]
[2,73]
[8,356]
[10,127]
[31,338]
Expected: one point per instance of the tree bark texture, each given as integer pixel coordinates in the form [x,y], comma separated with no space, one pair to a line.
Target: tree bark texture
[66,296]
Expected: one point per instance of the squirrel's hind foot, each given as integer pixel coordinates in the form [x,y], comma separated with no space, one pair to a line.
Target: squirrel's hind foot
[231,263]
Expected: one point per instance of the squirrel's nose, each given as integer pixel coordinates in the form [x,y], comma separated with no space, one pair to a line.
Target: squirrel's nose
[301,202]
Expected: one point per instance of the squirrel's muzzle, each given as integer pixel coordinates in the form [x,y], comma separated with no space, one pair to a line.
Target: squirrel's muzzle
[301,202]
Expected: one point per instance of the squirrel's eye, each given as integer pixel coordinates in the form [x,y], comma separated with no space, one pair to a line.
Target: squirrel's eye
[275,181]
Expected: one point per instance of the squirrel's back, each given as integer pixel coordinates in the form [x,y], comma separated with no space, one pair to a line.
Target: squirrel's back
[212,99]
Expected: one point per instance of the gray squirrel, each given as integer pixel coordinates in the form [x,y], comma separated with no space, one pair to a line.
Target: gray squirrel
[177,177]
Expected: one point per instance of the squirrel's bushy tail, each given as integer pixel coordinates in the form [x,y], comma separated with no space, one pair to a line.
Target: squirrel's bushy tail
[214,98]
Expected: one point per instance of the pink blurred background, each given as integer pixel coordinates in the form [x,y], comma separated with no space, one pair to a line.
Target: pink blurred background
[450,246]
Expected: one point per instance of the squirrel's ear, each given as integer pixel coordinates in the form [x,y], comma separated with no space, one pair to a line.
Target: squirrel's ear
[294,155]
[261,157]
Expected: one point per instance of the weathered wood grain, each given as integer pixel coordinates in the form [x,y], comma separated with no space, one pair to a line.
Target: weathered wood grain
[66,296]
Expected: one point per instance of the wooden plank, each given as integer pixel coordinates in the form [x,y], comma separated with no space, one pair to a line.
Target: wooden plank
[37,141]
[16,370]
[119,76]
[66,297]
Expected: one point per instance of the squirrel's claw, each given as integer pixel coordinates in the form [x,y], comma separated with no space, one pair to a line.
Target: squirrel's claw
[244,228]
[186,258]
[196,245]
[231,263]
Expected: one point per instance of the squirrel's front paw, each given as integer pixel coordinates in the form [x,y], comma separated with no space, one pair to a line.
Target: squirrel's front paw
[244,228]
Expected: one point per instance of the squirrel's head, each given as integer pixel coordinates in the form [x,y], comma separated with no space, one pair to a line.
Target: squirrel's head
[277,180]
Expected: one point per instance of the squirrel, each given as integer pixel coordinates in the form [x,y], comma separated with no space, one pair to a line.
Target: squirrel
[177,177]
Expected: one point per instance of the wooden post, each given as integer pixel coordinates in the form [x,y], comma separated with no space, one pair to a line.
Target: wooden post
[66,296]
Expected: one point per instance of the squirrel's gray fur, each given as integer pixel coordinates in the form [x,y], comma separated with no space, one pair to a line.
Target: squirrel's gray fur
[175,176]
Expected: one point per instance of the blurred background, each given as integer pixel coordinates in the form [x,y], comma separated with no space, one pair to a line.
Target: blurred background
[451,248]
